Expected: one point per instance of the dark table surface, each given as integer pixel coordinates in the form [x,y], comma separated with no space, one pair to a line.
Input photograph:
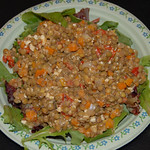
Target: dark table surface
[139,8]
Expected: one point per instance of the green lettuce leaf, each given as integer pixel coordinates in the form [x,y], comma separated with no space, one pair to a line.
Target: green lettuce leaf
[145,61]
[144,91]
[76,137]
[68,12]
[29,29]
[55,17]
[145,100]
[109,25]
[74,19]
[14,116]
[121,37]
[5,74]
[32,20]
[118,119]
[124,39]
[41,137]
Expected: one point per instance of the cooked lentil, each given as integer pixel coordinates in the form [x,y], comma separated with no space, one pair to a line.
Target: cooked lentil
[76,77]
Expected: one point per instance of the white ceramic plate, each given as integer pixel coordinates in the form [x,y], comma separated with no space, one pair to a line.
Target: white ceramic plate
[132,125]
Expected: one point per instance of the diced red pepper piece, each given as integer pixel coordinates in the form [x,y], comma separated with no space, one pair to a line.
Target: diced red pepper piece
[135,71]
[98,52]
[82,86]
[100,30]
[82,62]
[9,58]
[96,20]
[65,97]
[11,63]
[27,50]
[68,65]
[4,59]
[107,105]
[108,47]
[65,114]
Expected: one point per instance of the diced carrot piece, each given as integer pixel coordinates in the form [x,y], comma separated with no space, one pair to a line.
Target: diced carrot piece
[106,114]
[82,130]
[50,50]
[87,132]
[81,41]
[62,41]
[74,122]
[115,113]
[129,56]
[19,64]
[40,72]
[73,47]
[101,103]
[122,85]
[87,105]
[128,81]
[110,73]
[65,115]
[22,44]
[79,32]
[82,22]
[41,82]
[31,115]
[109,123]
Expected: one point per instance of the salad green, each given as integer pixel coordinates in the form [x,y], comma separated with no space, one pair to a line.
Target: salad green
[13,115]
[5,75]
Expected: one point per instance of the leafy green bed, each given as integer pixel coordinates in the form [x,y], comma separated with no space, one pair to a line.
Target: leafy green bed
[13,115]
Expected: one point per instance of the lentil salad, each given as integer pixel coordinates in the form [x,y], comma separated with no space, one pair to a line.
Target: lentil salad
[76,77]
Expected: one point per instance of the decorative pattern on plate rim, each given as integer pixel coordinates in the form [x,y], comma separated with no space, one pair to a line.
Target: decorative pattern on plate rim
[93,146]
[112,8]
[109,6]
